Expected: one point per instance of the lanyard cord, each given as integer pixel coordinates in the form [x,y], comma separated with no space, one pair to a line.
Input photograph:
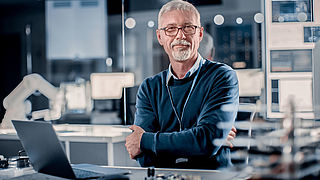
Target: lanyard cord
[171,99]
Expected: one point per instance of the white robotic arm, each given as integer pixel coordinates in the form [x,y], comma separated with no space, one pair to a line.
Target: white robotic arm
[17,107]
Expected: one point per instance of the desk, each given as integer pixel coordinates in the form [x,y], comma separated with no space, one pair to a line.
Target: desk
[95,144]
[137,173]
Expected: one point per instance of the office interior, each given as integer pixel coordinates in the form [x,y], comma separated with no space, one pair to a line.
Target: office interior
[79,63]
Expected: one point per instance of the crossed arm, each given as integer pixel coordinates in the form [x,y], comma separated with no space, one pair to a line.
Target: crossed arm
[134,139]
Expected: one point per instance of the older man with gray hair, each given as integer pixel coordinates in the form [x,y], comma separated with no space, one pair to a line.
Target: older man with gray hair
[182,111]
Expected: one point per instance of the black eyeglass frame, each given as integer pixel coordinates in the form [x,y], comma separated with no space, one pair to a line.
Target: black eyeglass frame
[178,28]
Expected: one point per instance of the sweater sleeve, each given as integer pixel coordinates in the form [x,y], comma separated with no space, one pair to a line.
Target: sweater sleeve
[145,117]
[220,107]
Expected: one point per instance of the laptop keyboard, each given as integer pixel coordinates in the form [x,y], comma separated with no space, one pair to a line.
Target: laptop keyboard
[81,174]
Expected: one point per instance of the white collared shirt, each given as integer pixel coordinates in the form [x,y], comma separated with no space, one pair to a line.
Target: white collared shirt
[193,69]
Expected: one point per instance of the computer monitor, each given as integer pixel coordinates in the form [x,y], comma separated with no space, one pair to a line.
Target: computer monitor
[110,85]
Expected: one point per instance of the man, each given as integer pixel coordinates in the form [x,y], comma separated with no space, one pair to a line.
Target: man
[184,111]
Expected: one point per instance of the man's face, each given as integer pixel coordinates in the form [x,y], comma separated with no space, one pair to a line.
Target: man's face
[181,47]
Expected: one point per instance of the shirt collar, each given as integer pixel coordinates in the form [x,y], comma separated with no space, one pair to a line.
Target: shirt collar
[193,69]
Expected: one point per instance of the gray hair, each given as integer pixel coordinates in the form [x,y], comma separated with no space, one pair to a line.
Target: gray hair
[178,5]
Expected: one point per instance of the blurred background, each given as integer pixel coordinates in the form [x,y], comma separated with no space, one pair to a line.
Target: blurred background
[67,40]
[92,55]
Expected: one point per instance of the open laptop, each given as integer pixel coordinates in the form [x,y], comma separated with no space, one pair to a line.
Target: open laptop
[47,155]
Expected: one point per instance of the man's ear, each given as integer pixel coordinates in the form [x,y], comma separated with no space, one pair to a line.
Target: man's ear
[201,34]
[159,37]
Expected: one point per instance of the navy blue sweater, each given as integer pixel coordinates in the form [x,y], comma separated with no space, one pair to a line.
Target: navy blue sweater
[213,100]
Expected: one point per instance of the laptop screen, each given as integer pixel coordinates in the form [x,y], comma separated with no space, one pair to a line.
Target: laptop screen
[43,147]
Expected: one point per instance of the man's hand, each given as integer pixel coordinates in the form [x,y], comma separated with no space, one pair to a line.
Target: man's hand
[133,141]
[231,136]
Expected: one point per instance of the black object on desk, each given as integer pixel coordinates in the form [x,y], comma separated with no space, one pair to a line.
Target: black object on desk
[4,163]
[151,172]
[22,161]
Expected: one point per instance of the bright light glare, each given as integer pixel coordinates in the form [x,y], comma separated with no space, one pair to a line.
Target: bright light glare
[218,19]
[130,23]
[258,18]
[239,20]
[150,24]
[109,61]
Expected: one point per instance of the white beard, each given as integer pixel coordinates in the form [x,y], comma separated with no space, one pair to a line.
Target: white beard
[181,54]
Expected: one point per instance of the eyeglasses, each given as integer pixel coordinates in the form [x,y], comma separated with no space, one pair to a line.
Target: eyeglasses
[173,31]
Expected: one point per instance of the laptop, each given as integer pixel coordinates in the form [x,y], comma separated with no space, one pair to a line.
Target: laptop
[47,155]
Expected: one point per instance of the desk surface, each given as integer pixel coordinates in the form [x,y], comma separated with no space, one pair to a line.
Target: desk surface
[81,133]
[137,173]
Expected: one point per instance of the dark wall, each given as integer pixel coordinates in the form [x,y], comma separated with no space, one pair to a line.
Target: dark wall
[14,16]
